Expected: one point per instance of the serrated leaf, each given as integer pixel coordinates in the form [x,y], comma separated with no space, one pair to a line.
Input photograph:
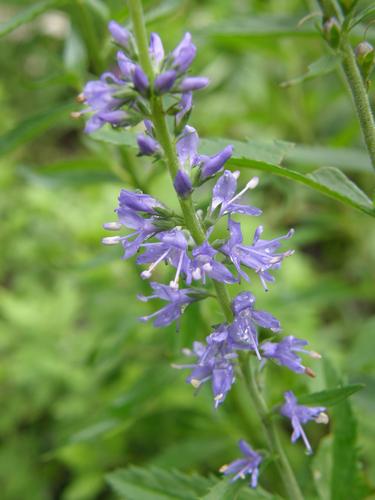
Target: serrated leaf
[330,397]
[225,490]
[327,180]
[266,156]
[137,483]
[268,151]
[33,127]
[322,66]
[27,15]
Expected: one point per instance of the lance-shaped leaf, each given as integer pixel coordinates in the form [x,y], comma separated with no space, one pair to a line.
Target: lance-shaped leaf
[330,397]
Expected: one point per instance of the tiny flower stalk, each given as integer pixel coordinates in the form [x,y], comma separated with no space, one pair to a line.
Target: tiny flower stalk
[214,363]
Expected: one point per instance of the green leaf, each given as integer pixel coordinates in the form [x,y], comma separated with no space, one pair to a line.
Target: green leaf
[135,483]
[321,468]
[225,490]
[330,397]
[347,159]
[367,15]
[266,156]
[327,180]
[27,15]
[268,151]
[34,126]
[344,476]
[322,66]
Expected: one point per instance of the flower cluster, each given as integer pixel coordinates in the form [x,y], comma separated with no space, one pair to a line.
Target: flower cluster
[157,235]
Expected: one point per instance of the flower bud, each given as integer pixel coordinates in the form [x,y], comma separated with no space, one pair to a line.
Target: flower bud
[215,163]
[147,145]
[182,184]
[184,54]
[331,32]
[193,83]
[165,81]
[365,55]
[140,81]
[120,34]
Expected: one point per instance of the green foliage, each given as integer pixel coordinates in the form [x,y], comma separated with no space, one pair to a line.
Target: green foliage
[86,390]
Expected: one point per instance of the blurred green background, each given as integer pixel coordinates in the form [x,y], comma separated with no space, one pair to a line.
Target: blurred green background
[84,387]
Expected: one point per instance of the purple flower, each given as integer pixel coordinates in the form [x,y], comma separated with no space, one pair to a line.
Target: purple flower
[243,330]
[120,34]
[172,248]
[183,55]
[140,80]
[143,229]
[244,466]
[148,146]
[284,353]
[193,83]
[211,165]
[204,264]
[299,414]
[182,184]
[164,82]
[214,363]
[177,300]
[99,96]
[138,202]
[259,256]
[223,194]
[156,50]
[184,106]
[187,146]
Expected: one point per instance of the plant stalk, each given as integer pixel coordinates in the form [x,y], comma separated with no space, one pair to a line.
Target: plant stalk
[193,224]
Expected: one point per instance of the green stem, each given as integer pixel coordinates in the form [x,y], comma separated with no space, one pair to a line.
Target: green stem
[354,79]
[193,224]
[270,430]
[360,97]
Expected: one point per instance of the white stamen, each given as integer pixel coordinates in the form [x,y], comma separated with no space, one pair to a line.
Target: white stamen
[174,283]
[322,418]
[207,267]
[315,355]
[218,397]
[236,174]
[195,383]
[250,185]
[223,468]
[147,274]
[111,240]
[197,274]
[112,226]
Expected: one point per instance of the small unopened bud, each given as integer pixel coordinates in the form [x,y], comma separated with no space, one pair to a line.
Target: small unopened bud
[331,32]
[365,55]
[182,184]
[80,98]
[75,115]
[112,226]
[322,418]
[309,372]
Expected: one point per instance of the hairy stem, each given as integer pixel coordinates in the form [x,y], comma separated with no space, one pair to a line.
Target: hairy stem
[360,98]
[353,79]
[193,224]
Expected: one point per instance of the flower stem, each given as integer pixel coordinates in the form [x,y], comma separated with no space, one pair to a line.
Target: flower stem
[193,224]
[270,430]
